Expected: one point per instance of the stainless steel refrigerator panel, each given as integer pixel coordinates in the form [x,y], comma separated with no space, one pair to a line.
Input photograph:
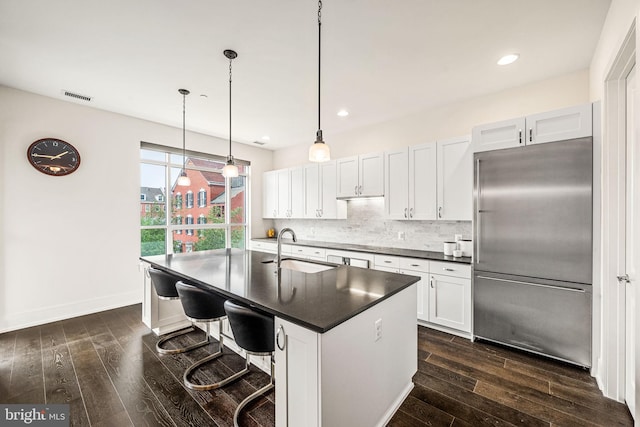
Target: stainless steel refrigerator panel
[534,316]
[533,211]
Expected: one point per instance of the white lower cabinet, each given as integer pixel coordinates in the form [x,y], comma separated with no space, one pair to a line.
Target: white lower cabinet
[450,296]
[317,385]
[297,375]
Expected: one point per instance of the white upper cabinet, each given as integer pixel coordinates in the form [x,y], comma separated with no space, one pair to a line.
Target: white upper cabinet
[360,176]
[557,125]
[269,195]
[288,194]
[455,179]
[495,136]
[320,192]
[568,123]
[422,181]
[410,183]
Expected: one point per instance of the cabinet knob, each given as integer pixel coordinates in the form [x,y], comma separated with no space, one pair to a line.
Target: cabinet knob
[431,281]
[405,212]
[440,212]
[530,134]
[410,212]
[360,190]
[520,136]
[356,190]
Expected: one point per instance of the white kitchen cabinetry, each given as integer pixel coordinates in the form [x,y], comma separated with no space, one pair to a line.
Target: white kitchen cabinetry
[290,185]
[410,183]
[411,267]
[450,295]
[262,246]
[317,386]
[297,375]
[360,176]
[270,194]
[320,192]
[455,179]
[557,125]
[308,252]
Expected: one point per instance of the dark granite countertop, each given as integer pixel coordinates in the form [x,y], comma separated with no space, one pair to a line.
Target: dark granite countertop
[316,301]
[382,250]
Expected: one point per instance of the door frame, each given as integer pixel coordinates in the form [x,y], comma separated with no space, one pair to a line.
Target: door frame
[609,336]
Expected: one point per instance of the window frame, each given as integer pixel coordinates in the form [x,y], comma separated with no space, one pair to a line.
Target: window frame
[171,229]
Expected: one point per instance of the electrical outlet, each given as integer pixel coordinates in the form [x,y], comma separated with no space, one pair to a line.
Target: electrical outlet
[401,235]
[377,329]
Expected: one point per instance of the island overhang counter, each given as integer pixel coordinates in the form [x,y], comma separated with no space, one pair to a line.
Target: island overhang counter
[347,344]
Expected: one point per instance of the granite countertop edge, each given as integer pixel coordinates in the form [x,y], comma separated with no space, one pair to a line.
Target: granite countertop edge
[380,250]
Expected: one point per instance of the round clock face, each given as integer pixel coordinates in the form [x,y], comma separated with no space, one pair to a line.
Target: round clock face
[53,156]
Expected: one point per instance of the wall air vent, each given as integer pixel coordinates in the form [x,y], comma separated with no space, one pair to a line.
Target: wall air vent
[76,96]
[259,143]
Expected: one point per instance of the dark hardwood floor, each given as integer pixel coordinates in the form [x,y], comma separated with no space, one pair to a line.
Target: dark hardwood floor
[106,367]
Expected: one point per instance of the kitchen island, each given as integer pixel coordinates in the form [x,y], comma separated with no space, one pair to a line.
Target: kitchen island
[347,345]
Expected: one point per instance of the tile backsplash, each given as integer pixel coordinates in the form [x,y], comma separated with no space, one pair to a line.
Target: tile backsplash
[366,225]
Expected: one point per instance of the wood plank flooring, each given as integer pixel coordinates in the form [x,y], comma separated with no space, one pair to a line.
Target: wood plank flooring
[105,366]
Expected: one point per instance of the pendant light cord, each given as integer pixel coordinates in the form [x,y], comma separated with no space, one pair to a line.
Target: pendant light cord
[230,60]
[319,50]
[184,158]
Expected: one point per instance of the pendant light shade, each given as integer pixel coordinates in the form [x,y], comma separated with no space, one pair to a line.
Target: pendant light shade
[230,170]
[183,179]
[319,151]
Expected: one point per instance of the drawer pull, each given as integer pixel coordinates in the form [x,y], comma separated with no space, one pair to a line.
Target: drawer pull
[415,265]
[387,261]
[448,269]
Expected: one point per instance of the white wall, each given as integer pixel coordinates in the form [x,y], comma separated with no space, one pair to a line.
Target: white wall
[70,245]
[450,120]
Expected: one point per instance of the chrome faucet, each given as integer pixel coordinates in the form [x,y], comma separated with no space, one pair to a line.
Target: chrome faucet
[284,230]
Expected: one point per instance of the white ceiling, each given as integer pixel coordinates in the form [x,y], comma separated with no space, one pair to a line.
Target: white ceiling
[380,58]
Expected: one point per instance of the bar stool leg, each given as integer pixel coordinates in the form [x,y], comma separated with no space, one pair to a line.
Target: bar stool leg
[166,338]
[254,395]
[196,365]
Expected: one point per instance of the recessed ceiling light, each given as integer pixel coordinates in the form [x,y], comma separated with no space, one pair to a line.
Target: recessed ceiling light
[343,113]
[508,59]
[266,138]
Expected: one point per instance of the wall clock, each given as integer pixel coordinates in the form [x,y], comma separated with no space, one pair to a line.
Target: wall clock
[53,156]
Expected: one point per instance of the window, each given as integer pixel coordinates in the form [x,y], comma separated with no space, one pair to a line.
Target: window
[143,197]
[189,222]
[220,214]
[202,198]
[178,221]
[147,208]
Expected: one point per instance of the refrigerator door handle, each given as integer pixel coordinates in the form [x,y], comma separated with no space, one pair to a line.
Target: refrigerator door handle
[582,291]
[479,211]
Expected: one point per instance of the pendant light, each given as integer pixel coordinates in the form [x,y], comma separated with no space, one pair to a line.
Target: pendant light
[230,170]
[183,179]
[319,151]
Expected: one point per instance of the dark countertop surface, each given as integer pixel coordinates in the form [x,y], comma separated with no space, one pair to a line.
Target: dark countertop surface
[316,301]
[382,250]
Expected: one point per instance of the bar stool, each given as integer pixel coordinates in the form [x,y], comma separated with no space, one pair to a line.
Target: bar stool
[253,332]
[165,286]
[205,307]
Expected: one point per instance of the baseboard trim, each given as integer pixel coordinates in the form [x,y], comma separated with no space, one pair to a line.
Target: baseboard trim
[59,312]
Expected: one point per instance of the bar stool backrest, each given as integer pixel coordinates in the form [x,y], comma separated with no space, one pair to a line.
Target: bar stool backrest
[252,329]
[199,304]
[164,284]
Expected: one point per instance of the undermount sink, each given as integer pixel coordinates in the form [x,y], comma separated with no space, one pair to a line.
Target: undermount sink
[303,266]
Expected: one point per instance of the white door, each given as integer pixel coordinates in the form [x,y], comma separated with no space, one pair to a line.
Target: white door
[296,192]
[558,125]
[396,188]
[632,246]
[498,135]
[423,202]
[328,205]
[282,183]
[269,195]
[347,177]
[371,173]
[311,190]
[455,179]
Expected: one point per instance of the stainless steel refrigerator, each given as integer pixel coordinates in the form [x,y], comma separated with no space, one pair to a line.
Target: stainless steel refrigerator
[533,248]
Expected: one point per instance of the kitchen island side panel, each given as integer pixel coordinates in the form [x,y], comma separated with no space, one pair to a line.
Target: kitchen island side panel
[365,380]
